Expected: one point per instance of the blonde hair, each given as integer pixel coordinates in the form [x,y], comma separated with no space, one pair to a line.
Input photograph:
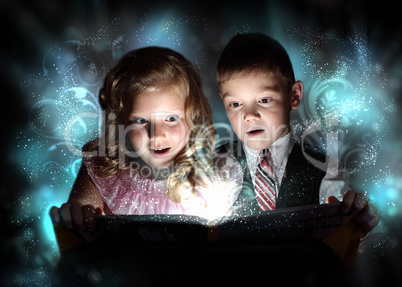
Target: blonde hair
[149,69]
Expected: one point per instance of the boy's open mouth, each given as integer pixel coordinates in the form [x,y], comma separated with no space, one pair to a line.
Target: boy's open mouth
[255,132]
[160,152]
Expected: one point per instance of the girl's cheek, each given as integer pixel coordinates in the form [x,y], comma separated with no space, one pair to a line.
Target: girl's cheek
[137,139]
[181,130]
[186,134]
[136,133]
[178,134]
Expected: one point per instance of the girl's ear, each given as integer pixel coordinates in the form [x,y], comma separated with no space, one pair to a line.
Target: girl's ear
[296,95]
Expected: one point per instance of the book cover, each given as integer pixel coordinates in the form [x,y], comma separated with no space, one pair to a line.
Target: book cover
[315,221]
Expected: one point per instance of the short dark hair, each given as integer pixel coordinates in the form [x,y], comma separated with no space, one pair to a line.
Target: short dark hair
[255,52]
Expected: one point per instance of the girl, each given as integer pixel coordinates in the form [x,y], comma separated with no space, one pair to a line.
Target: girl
[156,156]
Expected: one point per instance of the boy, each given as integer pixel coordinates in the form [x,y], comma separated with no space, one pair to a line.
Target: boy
[258,88]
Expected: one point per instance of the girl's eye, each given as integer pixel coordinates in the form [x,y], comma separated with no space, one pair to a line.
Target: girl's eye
[234,105]
[172,118]
[140,121]
[265,100]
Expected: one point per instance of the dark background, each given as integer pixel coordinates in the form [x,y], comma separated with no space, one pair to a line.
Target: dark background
[29,28]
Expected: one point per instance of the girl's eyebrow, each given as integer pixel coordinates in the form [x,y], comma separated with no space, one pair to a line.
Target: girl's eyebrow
[160,113]
[135,115]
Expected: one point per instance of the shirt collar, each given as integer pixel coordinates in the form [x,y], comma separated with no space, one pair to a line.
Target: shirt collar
[278,149]
[282,146]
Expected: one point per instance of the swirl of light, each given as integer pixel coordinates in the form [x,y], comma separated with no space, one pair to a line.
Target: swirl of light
[118,46]
[44,119]
[89,68]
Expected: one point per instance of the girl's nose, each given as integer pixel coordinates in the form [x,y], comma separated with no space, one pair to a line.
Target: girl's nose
[158,129]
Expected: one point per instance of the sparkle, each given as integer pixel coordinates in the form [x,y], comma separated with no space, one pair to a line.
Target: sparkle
[345,94]
[344,99]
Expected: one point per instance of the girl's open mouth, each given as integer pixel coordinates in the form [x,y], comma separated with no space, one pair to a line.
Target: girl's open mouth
[254,133]
[160,152]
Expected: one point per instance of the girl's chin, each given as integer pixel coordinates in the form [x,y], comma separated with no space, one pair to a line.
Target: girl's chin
[165,165]
[157,171]
[155,163]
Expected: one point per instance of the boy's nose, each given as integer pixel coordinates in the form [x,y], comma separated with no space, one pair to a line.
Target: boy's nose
[250,115]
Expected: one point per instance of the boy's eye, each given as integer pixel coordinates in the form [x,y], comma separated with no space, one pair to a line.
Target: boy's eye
[140,121]
[172,118]
[234,105]
[265,100]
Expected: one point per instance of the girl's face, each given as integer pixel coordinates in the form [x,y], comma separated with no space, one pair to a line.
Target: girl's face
[157,126]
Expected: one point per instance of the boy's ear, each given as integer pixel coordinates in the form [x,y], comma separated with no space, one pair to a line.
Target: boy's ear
[296,95]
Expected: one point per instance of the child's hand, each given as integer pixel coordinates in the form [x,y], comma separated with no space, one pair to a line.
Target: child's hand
[74,215]
[366,214]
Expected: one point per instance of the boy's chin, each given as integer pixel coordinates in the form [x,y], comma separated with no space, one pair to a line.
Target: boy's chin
[257,145]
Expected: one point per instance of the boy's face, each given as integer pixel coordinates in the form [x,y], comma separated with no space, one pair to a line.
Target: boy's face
[258,107]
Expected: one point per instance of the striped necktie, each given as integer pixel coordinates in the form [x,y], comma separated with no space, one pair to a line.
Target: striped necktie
[265,185]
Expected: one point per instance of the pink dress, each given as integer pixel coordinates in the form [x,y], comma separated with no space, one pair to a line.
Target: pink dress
[129,193]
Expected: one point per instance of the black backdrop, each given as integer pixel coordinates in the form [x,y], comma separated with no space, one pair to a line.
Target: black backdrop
[29,28]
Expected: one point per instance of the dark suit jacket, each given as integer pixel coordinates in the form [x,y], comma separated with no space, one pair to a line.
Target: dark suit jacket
[300,183]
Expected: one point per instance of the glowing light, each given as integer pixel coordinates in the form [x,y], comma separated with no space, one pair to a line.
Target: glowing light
[216,199]
[72,73]
[392,194]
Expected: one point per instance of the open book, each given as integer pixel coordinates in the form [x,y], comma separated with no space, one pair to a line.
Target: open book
[322,223]
[316,221]
[295,244]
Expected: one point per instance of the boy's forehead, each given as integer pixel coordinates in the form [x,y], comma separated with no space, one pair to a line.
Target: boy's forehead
[255,80]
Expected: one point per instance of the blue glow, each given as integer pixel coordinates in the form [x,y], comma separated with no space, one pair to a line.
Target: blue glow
[48,226]
[333,90]
[66,85]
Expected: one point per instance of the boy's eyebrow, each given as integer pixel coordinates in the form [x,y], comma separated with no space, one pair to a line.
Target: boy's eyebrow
[274,88]
[225,95]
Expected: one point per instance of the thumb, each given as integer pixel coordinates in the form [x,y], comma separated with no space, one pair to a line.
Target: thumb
[54,214]
[332,199]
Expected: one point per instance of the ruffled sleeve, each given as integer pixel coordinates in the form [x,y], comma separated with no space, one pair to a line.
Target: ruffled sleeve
[128,193]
